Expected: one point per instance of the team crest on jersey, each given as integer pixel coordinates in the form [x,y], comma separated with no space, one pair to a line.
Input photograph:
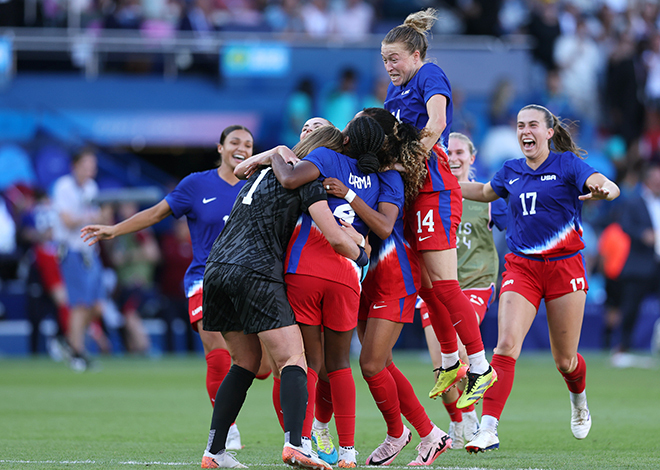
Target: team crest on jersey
[548,177]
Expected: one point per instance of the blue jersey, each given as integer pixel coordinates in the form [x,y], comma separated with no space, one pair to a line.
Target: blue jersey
[206,201]
[544,212]
[309,252]
[408,102]
[394,269]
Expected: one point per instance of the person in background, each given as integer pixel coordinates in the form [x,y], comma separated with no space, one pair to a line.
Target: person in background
[545,191]
[205,198]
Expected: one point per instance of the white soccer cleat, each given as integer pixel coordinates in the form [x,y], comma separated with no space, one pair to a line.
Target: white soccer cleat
[456,431]
[385,453]
[223,459]
[301,457]
[580,420]
[483,441]
[233,441]
[470,425]
[347,457]
[431,447]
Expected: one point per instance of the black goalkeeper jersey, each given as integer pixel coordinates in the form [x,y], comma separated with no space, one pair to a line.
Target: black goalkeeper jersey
[261,223]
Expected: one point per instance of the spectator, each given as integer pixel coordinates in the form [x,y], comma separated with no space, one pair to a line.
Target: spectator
[81,266]
[299,108]
[285,16]
[353,22]
[8,247]
[317,18]
[197,17]
[125,14]
[343,102]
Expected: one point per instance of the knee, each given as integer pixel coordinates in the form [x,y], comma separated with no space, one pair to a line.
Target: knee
[369,366]
[507,346]
[566,365]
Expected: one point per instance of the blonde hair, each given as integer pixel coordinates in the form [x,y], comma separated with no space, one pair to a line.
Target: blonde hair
[562,141]
[471,148]
[325,136]
[413,32]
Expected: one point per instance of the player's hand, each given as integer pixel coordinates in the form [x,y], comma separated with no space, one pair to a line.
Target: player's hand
[95,233]
[596,193]
[287,154]
[356,236]
[334,187]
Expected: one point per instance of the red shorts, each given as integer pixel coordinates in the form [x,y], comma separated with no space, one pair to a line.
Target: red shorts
[549,279]
[479,298]
[317,301]
[396,310]
[195,307]
[433,218]
[49,268]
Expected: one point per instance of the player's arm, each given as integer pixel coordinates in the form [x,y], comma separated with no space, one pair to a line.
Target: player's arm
[381,222]
[246,168]
[600,187]
[436,108]
[292,177]
[135,223]
[336,236]
[482,192]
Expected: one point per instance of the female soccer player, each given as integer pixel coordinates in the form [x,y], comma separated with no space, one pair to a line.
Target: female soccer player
[477,272]
[544,190]
[420,94]
[389,292]
[205,198]
[246,300]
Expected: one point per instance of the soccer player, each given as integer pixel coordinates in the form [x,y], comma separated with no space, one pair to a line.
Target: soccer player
[545,191]
[420,94]
[389,292]
[206,199]
[245,298]
[477,272]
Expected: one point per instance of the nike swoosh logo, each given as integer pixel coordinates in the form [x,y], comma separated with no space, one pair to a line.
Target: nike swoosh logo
[379,306]
[206,201]
[437,450]
[422,239]
[513,181]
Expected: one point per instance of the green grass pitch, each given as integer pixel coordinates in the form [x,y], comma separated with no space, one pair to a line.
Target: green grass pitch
[138,413]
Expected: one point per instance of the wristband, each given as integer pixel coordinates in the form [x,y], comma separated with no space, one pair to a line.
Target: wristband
[350,195]
[363,259]
[363,242]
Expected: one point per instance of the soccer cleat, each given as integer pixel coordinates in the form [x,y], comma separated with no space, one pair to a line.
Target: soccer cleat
[223,459]
[470,425]
[324,446]
[456,431]
[347,457]
[483,441]
[385,453]
[233,441]
[448,378]
[431,447]
[476,387]
[580,420]
[299,457]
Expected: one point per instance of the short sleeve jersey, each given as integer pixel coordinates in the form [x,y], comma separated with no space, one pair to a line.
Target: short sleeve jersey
[71,198]
[206,200]
[408,104]
[309,252]
[394,269]
[544,216]
[262,222]
[477,255]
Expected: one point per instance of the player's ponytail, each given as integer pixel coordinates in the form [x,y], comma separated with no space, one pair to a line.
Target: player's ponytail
[562,141]
[413,32]
[365,140]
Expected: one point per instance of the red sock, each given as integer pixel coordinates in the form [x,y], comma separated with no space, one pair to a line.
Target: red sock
[410,406]
[468,408]
[342,387]
[63,318]
[462,314]
[312,377]
[218,362]
[455,414]
[496,396]
[323,406]
[263,376]
[276,401]
[577,380]
[383,388]
[440,321]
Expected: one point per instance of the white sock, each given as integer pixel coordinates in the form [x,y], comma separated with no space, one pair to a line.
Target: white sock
[478,362]
[490,423]
[448,360]
[319,425]
[579,399]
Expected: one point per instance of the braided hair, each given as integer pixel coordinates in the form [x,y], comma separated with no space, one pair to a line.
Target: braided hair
[402,146]
[365,140]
